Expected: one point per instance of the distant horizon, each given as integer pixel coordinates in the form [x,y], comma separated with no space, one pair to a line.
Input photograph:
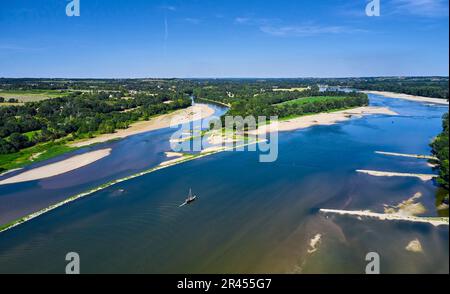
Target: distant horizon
[223,78]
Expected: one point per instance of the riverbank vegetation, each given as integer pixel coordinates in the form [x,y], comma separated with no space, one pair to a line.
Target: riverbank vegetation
[253,101]
[440,148]
[45,126]
[434,87]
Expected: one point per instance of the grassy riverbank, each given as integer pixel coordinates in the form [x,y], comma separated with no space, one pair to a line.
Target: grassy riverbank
[33,154]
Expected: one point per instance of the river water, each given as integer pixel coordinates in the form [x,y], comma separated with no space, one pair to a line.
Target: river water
[250,217]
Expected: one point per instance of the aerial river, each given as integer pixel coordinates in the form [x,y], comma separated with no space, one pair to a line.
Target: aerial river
[250,217]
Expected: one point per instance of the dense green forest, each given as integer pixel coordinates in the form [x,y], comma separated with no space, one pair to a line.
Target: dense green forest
[441,150]
[254,101]
[436,87]
[80,115]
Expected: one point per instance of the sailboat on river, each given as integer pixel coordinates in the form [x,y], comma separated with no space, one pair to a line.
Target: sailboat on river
[191,198]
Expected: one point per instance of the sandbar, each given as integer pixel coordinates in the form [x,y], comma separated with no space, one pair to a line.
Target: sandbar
[409,97]
[423,177]
[435,221]
[58,168]
[329,118]
[418,156]
[414,246]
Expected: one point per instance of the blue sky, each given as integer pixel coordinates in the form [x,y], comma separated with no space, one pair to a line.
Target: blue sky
[223,38]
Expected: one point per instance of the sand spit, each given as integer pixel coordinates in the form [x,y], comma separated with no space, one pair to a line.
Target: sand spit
[193,113]
[406,155]
[173,154]
[423,177]
[172,161]
[408,207]
[329,118]
[58,168]
[409,97]
[10,171]
[435,221]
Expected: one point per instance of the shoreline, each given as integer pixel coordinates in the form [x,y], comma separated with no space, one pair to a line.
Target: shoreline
[326,119]
[394,95]
[58,168]
[182,116]
[214,102]
[435,221]
[423,177]
[417,156]
[10,171]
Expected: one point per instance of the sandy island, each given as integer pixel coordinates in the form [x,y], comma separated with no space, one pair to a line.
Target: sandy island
[409,207]
[313,243]
[418,156]
[407,210]
[409,97]
[182,116]
[414,246]
[58,168]
[328,118]
[435,221]
[423,177]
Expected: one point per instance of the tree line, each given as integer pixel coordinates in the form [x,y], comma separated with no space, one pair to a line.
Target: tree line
[79,115]
[256,101]
[10,100]
[435,87]
[440,147]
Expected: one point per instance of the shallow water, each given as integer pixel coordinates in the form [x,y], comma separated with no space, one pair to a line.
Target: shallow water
[250,217]
[128,156]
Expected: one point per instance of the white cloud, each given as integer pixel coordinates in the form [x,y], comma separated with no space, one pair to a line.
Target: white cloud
[254,21]
[423,8]
[275,27]
[305,31]
[192,20]
[242,20]
[168,7]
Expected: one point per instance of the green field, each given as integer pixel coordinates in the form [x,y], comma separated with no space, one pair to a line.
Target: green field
[32,155]
[310,99]
[32,95]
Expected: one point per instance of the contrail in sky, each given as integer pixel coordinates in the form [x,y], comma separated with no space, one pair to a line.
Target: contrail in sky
[166,29]
[166,9]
